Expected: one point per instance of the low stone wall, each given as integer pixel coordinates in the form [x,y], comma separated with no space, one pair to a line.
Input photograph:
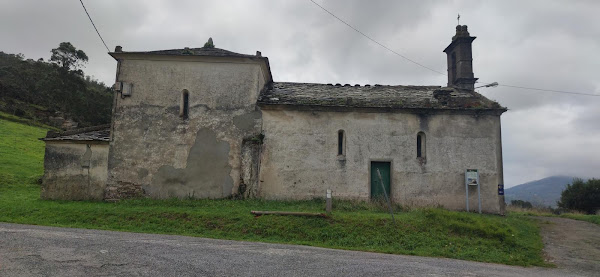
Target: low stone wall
[123,190]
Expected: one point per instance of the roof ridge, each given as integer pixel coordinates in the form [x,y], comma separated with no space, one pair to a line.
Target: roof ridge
[187,51]
[216,48]
[364,85]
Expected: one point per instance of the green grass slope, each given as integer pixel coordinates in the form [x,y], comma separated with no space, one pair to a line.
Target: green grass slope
[21,154]
[510,240]
[517,211]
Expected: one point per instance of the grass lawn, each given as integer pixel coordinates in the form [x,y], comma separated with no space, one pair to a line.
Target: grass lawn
[589,218]
[510,240]
[21,153]
[546,212]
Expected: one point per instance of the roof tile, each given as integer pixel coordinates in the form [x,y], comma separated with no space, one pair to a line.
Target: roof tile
[96,133]
[378,96]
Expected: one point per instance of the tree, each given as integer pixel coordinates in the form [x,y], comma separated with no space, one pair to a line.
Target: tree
[39,89]
[68,57]
[581,196]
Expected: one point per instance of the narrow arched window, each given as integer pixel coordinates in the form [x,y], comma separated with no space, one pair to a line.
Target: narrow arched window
[420,145]
[184,110]
[341,143]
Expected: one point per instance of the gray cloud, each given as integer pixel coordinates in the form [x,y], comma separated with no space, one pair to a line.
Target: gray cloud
[541,44]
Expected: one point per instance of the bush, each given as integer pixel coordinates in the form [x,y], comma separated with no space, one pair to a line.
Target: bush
[19,112]
[581,196]
[521,204]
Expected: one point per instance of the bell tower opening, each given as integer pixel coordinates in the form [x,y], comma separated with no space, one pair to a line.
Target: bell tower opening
[460,59]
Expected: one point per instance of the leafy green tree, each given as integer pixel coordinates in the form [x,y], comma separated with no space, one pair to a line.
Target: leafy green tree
[581,196]
[68,57]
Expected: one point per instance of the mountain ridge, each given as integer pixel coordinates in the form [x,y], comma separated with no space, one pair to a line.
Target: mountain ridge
[543,192]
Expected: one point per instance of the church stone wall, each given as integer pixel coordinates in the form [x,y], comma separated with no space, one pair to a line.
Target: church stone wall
[74,171]
[155,150]
[300,156]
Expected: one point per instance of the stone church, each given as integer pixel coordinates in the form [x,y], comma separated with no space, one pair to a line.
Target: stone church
[210,123]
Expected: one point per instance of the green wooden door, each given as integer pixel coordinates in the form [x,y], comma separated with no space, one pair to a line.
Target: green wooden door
[376,188]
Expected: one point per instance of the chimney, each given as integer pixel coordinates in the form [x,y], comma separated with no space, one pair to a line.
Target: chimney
[460,60]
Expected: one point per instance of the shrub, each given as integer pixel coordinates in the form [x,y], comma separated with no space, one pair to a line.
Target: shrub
[581,196]
[19,112]
[521,204]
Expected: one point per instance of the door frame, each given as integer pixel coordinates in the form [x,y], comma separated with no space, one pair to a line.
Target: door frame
[391,161]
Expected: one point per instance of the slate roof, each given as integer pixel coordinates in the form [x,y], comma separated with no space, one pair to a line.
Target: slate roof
[96,133]
[377,96]
[203,51]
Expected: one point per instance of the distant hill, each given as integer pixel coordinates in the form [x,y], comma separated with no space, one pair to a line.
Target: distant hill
[545,192]
[44,92]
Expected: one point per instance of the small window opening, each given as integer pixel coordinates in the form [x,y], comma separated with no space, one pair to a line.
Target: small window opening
[185,104]
[453,65]
[341,142]
[420,145]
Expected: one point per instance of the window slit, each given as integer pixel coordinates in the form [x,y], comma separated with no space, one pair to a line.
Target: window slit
[419,154]
[421,145]
[185,104]
[341,142]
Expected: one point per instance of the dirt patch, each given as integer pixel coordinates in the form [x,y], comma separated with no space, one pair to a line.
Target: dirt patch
[572,244]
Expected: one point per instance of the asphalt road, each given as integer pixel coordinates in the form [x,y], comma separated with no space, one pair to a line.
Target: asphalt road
[27,250]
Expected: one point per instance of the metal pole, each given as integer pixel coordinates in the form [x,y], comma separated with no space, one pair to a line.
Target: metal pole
[328,204]
[467,190]
[386,196]
[478,192]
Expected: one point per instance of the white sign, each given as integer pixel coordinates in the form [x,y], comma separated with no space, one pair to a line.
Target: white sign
[472,177]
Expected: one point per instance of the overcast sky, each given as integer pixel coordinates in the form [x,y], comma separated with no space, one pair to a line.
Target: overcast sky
[543,44]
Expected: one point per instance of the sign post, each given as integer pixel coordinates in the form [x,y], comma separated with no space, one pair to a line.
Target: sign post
[386,196]
[328,204]
[472,179]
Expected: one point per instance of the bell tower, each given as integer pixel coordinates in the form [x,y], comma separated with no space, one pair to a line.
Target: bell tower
[460,60]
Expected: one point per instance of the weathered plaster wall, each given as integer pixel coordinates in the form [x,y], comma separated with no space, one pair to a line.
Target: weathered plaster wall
[74,171]
[165,155]
[300,160]
[250,156]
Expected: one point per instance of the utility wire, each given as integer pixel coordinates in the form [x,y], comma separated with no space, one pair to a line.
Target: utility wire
[371,39]
[94,25]
[538,89]
[421,65]
[550,90]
